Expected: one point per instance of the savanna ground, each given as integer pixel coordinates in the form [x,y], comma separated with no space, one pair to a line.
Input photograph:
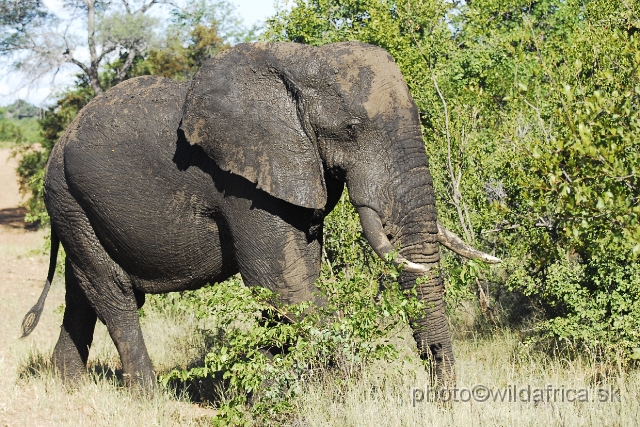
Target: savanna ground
[388,394]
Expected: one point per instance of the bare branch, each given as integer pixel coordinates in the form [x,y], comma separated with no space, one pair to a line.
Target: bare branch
[456,195]
[540,223]
[46,42]
[105,52]
[79,64]
[547,134]
[146,7]
[91,29]
[499,229]
[126,66]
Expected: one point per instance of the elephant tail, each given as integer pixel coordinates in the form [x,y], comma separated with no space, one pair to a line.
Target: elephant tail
[30,321]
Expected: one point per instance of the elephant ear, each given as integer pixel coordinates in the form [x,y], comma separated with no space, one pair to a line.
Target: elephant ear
[247,116]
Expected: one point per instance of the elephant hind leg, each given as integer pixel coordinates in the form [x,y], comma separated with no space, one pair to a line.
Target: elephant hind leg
[98,285]
[76,334]
[116,305]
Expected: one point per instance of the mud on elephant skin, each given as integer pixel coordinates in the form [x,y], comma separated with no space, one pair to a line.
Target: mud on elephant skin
[158,186]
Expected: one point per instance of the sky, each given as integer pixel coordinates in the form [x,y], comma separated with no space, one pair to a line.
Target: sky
[251,11]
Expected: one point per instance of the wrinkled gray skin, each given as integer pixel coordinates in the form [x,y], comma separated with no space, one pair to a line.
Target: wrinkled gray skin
[158,186]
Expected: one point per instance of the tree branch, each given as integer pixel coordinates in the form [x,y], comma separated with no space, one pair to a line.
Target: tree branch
[105,52]
[456,196]
[92,72]
[146,7]
[72,60]
[126,66]
[91,28]
[540,223]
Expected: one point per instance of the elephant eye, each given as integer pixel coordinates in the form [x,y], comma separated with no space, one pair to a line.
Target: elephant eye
[353,126]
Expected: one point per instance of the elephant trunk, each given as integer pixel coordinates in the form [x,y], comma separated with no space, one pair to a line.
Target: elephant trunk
[398,212]
[404,218]
[430,330]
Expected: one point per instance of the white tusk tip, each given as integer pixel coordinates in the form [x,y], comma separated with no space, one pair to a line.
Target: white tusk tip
[412,267]
[491,259]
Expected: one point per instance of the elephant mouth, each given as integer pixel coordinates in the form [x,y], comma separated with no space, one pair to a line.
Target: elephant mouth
[377,238]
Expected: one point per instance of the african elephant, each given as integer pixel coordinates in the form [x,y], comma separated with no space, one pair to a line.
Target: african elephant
[159,186]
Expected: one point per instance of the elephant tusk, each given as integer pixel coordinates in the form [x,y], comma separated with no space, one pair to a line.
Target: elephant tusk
[459,246]
[374,232]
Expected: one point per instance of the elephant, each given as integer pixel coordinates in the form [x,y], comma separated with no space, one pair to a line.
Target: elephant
[159,186]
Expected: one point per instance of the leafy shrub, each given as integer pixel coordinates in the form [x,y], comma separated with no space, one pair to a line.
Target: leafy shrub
[265,361]
[10,132]
[21,109]
[579,185]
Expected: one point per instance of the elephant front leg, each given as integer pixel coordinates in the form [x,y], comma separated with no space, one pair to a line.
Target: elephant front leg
[276,252]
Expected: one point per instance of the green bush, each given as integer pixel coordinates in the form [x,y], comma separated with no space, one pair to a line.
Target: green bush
[10,132]
[580,187]
[352,330]
[21,109]
[596,302]
[530,119]
[19,123]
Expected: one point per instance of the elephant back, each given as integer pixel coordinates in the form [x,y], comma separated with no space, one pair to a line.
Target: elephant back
[149,106]
[121,143]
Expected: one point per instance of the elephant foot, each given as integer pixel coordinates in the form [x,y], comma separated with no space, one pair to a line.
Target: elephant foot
[442,373]
[67,361]
[138,373]
[140,384]
[76,334]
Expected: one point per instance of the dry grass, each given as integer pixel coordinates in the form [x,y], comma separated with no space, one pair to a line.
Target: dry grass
[30,394]
[383,397]
[33,395]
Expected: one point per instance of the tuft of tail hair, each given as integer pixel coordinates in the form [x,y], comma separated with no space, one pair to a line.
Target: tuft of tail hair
[31,319]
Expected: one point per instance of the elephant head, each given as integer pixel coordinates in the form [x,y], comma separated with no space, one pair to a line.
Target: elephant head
[286,116]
